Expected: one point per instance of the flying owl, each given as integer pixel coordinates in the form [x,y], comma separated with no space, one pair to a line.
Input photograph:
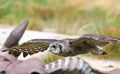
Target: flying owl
[66,47]
[88,43]
[70,65]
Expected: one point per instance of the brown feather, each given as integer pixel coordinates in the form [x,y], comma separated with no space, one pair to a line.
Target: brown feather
[28,48]
[94,39]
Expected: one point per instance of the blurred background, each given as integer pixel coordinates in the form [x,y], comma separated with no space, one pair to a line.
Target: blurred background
[73,17]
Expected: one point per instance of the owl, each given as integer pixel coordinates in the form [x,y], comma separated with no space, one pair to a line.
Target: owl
[92,43]
[88,43]
[69,65]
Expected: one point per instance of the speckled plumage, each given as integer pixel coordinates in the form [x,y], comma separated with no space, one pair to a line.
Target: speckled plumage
[88,43]
[65,47]
[28,48]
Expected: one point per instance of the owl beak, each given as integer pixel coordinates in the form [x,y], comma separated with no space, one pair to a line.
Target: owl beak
[48,49]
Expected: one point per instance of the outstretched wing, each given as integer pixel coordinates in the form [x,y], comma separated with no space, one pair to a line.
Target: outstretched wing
[43,40]
[70,65]
[94,39]
[31,47]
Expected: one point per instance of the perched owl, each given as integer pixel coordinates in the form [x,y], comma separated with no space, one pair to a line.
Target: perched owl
[66,47]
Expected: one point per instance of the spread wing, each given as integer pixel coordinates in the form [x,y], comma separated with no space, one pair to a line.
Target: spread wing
[31,47]
[43,40]
[94,39]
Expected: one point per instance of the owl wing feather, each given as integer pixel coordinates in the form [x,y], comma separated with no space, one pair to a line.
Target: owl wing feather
[94,39]
[43,40]
[31,47]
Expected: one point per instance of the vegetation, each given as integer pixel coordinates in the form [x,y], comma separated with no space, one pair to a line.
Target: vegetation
[70,17]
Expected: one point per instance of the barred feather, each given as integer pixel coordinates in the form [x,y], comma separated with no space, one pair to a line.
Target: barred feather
[31,47]
[70,65]
[28,48]
[65,47]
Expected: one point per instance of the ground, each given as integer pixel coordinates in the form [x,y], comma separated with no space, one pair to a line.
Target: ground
[104,65]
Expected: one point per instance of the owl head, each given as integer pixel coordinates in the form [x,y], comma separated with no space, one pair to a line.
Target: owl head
[58,48]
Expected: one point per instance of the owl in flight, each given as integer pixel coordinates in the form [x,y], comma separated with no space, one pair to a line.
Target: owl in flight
[70,65]
[65,47]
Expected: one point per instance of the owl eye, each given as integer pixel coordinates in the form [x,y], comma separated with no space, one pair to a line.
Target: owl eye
[54,46]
